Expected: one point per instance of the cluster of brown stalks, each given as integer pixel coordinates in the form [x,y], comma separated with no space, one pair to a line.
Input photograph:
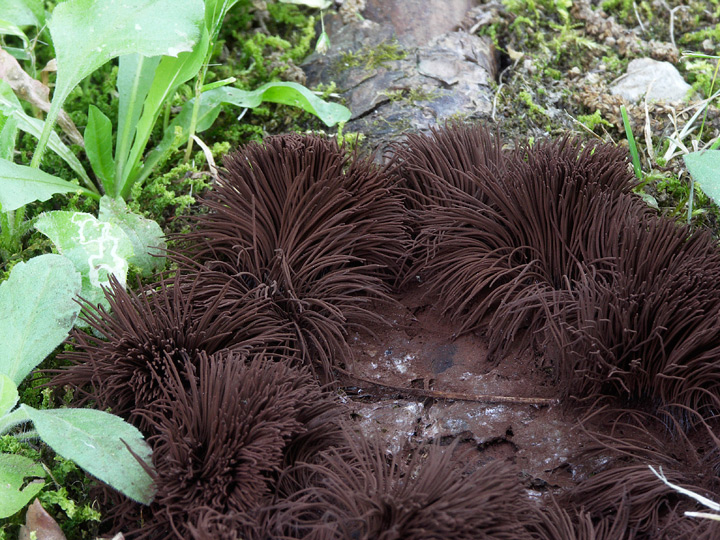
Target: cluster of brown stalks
[547,243]
[221,363]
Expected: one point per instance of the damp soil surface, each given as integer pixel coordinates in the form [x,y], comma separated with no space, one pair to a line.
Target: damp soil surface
[414,380]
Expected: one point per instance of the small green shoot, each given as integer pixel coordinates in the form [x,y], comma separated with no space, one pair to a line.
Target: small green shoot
[631,142]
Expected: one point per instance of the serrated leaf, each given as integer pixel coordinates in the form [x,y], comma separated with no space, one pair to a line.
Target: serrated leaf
[37,310]
[705,170]
[98,145]
[20,185]
[8,394]
[112,28]
[14,471]
[97,249]
[95,440]
[145,234]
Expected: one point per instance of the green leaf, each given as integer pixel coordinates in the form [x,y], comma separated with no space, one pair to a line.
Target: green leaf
[24,12]
[8,394]
[98,145]
[705,170]
[145,234]
[8,135]
[286,93]
[20,185]
[135,77]
[8,28]
[37,310]
[14,471]
[210,105]
[207,114]
[10,106]
[215,11]
[169,75]
[95,440]
[97,249]
[112,28]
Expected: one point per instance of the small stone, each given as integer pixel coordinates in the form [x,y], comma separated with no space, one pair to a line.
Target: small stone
[658,80]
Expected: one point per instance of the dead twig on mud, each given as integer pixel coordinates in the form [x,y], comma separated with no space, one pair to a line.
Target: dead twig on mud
[455,396]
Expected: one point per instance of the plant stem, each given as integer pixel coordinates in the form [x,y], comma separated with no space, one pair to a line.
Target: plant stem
[196,104]
[12,229]
[690,199]
[166,115]
[712,86]
[46,132]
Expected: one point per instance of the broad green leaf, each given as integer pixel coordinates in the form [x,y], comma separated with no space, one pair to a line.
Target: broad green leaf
[112,28]
[286,93]
[97,249]
[10,106]
[169,75]
[20,185]
[8,394]
[319,4]
[37,310]
[705,170]
[98,145]
[95,440]
[145,234]
[15,471]
[23,12]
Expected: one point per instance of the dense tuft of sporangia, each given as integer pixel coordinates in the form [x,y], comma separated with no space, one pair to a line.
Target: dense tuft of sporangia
[319,235]
[362,493]
[222,364]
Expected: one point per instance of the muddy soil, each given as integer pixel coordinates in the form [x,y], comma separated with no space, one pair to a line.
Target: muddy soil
[435,386]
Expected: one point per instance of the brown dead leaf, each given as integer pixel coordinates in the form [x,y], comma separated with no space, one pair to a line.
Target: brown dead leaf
[34,92]
[38,521]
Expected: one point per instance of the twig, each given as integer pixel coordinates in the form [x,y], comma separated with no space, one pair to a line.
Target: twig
[454,396]
[637,16]
[494,107]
